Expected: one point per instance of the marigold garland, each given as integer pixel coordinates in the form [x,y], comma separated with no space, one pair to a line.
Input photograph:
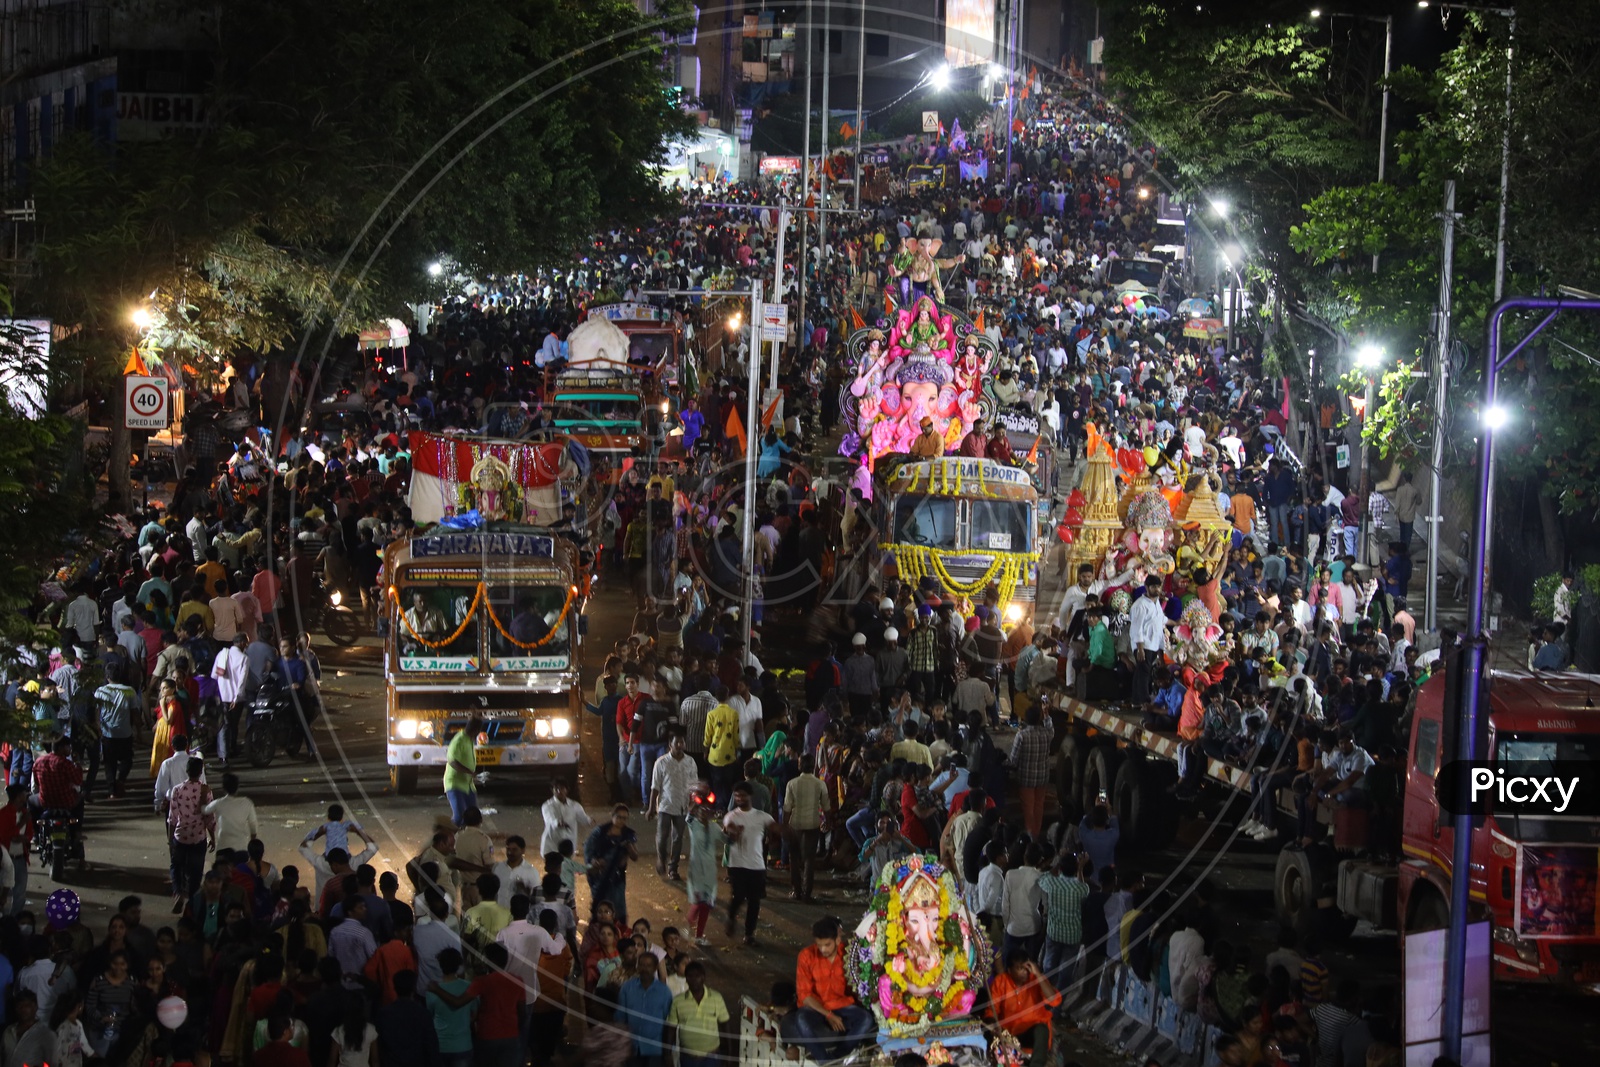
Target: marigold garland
[481,594]
[916,562]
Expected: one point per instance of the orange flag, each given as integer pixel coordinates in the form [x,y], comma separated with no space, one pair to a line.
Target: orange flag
[1024,94]
[734,428]
[1033,453]
[856,320]
[136,364]
[772,409]
[888,305]
[977,323]
[845,131]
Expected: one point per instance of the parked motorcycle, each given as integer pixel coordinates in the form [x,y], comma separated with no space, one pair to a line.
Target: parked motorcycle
[275,723]
[58,836]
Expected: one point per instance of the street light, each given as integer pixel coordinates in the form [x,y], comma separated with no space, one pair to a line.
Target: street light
[435,269]
[141,318]
[1221,207]
[1496,417]
[1369,356]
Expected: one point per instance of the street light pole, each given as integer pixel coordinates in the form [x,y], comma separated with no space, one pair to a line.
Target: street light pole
[827,120]
[805,183]
[747,520]
[1383,120]
[1470,706]
[1441,372]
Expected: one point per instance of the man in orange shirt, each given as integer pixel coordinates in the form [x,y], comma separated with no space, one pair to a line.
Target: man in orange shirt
[828,1024]
[1021,999]
[392,957]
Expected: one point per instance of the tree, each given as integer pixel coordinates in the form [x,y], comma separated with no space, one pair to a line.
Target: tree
[352,145]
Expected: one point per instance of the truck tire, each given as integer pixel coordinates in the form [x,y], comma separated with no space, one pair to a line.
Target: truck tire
[1133,805]
[1100,774]
[1300,878]
[1162,809]
[1430,912]
[403,779]
[1069,767]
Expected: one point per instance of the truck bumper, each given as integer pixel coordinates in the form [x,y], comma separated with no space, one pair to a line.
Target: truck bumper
[531,757]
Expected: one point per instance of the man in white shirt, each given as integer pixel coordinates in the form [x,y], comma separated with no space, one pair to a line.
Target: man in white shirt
[516,874]
[524,942]
[747,828]
[1147,631]
[82,616]
[672,781]
[564,819]
[1072,602]
[231,669]
[748,705]
[199,540]
[173,772]
[235,815]
[1023,907]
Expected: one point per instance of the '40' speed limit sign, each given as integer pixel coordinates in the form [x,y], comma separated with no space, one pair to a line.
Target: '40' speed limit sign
[148,405]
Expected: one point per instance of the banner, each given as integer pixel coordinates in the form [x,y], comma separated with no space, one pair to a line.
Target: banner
[441,465]
[970,171]
[1556,891]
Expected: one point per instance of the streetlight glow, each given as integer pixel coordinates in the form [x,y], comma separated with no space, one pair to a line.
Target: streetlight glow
[1369,356]
[939,77]
[142,318]
[435,269]
[1316,12]
[1232,253]
[1495,417]
[1221,207]
[996,71]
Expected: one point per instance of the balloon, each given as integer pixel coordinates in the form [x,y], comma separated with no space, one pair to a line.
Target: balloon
[1073,517]
[1066,533]
[1152,455]
[1076,499]
[172,1012]
[62,908]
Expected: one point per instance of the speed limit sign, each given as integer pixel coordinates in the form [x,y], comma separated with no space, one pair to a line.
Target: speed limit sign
[148,406]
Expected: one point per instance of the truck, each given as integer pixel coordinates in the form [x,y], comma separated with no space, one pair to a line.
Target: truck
[1519,864]
[610,396]
[964,525]
[483,623]
[655,337]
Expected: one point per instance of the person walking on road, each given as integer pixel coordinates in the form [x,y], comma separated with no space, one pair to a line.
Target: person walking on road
[460,770]
[672,782]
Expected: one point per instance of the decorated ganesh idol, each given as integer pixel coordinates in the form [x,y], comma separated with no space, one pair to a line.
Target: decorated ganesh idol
[1193,642]
[919,956]
[921,325]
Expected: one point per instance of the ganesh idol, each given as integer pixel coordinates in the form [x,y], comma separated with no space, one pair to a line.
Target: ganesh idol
[918,956]
[921,324]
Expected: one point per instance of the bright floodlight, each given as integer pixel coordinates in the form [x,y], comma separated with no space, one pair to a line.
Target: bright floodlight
[1369,356]
[435,269]
[1496,417]
[939,77]
[1221,207]
[1232,253]
[996,71]
[1316,12]
[734,320]
[142,318]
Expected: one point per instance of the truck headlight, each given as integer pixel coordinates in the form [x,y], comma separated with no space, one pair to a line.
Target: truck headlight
[408,729]
[561,727]
[541,728]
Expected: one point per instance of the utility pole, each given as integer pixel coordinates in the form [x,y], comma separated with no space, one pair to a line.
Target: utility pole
[777,283]
[805,180]
[1505,161]
[861,79]
[1383,124]
[1441,372]
[1011,81]
[751,436]
[822,199]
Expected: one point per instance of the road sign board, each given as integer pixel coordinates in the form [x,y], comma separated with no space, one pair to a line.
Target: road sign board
[148,405]
[774,321]
[930,122]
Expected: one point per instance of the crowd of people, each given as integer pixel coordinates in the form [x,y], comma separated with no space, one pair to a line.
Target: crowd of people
[925,723]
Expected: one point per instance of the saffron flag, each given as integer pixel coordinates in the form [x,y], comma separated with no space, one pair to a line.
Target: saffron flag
[856,320]
[888,304]
[734,428]
[845,131]
[772,409]
[136,365]
[977,323]
[1033,453]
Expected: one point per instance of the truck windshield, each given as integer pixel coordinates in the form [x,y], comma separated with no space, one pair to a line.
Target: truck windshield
[576,409]
[1145,271]
[648,348]
[1001,525]
[526,615]
[925,520]
[430,615]
[1538,748]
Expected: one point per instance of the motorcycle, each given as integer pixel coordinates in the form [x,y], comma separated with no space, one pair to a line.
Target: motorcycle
[342,622]
[58,836]
[275,722]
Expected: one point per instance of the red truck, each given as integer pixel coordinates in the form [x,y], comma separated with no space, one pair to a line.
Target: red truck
[1534,879]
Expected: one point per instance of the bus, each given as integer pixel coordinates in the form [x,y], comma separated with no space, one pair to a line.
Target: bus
[960,526]
[484,623]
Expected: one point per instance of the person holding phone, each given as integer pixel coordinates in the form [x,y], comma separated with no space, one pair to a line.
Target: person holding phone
[1021,999]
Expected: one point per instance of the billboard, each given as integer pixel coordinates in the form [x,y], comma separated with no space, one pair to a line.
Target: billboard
[968,32]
